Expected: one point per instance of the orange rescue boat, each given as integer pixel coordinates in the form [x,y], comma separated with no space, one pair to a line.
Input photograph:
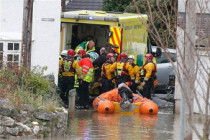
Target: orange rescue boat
[108,103]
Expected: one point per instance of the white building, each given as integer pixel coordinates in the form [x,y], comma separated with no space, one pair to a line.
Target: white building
[203,33]
[45,33]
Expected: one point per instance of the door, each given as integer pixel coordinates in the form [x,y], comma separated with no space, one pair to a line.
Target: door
[164,67]
[115,38]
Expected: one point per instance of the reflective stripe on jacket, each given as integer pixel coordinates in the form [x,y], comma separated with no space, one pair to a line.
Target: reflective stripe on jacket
[125,69]
[84,45]
[86,68]
[71,70]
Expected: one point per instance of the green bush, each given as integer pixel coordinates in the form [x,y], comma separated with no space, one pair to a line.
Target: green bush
[21,86]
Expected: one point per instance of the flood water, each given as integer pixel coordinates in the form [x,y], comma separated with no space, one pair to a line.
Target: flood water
[89,124]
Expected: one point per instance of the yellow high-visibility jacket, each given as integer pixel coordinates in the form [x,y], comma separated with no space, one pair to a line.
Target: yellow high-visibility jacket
[136,71]
[106,70]
[69,70]
[148,71]
[123,68]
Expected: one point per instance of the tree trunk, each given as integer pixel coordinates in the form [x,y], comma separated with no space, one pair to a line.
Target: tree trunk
[189,64]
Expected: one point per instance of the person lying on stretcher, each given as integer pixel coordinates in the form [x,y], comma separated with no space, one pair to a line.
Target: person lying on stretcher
[126,95]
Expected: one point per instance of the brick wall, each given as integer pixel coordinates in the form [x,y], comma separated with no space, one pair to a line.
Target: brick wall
[202,24]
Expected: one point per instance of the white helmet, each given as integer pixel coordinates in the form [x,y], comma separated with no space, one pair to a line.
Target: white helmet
[93,56]
[64,52]
[131,57]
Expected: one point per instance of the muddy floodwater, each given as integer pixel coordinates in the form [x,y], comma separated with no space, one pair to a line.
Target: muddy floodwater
[88,124]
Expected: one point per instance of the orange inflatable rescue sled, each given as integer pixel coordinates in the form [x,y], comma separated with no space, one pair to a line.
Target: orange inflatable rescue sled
[109,102]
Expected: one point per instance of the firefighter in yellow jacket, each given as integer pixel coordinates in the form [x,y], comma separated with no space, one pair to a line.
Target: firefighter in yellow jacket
[64,53]
[68,67]
[123,70]
[148,75]
[107,75]
[136,71]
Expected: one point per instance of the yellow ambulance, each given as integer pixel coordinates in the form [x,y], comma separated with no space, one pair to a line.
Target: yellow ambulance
[126,31]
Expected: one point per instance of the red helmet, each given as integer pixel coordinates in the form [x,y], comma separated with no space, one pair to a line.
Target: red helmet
[83,52]
[149,56]
[71,52]
[109,55]
[123,55]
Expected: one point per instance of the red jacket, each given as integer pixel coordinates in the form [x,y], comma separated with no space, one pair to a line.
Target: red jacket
[85,64]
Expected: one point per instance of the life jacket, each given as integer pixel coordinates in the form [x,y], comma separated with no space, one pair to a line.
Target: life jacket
[76,82]
[60,57]
[67,64]
[121,70]
[133,65]
[103,68]
[143,70]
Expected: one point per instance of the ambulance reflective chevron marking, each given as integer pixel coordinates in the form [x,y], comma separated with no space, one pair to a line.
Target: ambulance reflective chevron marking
[116,38]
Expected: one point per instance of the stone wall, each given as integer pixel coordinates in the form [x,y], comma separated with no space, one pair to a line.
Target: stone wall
[30,123]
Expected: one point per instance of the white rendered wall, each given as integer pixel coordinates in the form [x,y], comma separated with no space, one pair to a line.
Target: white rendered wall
[200,84]
[46,35]
[11,18]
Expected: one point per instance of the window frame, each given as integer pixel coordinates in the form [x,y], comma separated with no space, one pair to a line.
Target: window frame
[12,52]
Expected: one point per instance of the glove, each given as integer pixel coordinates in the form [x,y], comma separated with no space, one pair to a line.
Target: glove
[99,79]
[155,83]
[128,83]
[137,82]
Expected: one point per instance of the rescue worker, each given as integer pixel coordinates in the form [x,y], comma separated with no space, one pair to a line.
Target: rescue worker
[147,75]
[107,76]
[68,67]
[97,64]
[101,59]
[77,57]
[136,71]
[123,70]
[88,46]
[63,54]
[85,78]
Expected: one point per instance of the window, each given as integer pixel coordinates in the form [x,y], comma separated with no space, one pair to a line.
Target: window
[1,46]
[12,59]
[163,58]
[16,46]
[10,53]
[13,46]
[10,46]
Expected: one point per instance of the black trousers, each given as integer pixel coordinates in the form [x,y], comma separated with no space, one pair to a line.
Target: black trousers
[107,85]
[83,93]
[133,87]
[148,88]
[122,79]
[66,86]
